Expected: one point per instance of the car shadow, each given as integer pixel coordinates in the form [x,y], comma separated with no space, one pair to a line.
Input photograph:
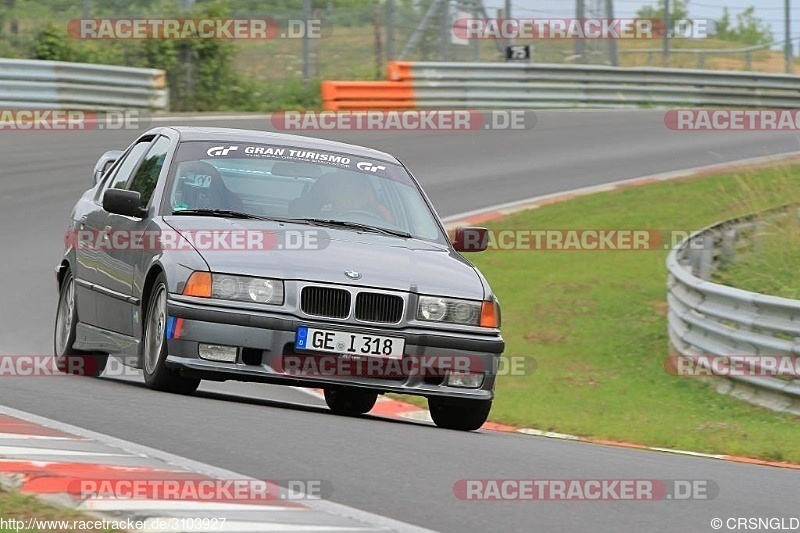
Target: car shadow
[265,402]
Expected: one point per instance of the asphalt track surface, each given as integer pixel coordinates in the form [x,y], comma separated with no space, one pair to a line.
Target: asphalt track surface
[402,470]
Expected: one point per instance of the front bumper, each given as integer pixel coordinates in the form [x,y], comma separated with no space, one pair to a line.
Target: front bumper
[264,340]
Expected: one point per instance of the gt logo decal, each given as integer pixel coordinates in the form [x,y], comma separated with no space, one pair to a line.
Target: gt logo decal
[369,167]
[221,150]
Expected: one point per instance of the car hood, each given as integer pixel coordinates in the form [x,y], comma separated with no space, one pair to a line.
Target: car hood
[383,261]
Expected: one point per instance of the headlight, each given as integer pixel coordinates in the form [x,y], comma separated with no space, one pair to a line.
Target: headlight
[245,289]
[437,309]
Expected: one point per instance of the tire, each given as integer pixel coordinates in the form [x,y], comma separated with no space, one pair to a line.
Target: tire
[67,359]
[462,415]
[154,341]
[350,402]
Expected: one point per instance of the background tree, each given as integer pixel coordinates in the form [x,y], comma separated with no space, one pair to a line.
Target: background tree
[678,10]
[749,29]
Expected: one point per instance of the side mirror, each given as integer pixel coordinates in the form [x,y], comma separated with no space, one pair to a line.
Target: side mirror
[105,162]
[470,239]
[124,202]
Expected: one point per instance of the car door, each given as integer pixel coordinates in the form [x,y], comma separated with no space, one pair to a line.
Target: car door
[125,259]
[99,265]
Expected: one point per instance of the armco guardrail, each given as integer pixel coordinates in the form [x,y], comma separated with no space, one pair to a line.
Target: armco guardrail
[706,318]
[453,85]
[31,84]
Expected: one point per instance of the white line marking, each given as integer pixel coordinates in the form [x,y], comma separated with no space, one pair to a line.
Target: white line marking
[19,436]
[684,452]
[114,468]
[311,392]
[420,416]
[107,504]
[548,434]
[23,450]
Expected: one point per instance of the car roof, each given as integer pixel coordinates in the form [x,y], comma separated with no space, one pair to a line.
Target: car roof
[230,135]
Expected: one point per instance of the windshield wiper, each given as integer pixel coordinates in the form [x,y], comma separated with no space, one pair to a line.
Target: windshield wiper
[227,213]
[356,225]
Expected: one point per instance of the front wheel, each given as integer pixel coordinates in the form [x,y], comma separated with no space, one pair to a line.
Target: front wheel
[350,402]
[463,415]
[69,360]
[156,374]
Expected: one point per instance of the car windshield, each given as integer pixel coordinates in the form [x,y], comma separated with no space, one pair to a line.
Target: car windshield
[294,183]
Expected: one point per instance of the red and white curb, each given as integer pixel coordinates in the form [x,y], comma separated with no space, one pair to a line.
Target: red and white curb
[45,458]
[389,408]
[397,410]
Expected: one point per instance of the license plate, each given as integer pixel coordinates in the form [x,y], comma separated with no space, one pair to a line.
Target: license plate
[342,342]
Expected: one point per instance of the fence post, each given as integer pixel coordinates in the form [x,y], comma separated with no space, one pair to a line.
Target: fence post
[306,64]
[444,31]
[701,256]
[389,30]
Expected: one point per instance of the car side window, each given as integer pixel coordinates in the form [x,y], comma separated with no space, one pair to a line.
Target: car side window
[124,170]
[144,182]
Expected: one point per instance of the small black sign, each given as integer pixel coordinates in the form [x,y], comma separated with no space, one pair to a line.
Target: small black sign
[518,52]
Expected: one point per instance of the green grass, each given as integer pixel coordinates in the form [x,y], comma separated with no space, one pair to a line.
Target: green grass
[595,323]
[769,264]
[20,507]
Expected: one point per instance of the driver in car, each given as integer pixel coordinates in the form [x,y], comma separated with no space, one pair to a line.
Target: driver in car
[351,195]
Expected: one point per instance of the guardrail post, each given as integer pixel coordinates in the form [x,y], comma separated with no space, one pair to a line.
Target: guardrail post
[748,61]
[758,229]
[729,238]
[701,256]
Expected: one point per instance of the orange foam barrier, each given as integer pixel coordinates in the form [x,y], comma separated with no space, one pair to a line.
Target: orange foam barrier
[366,95]
[370,105]
[399,71]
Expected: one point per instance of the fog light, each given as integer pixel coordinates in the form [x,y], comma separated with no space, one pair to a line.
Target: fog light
[466,380]
[215,352]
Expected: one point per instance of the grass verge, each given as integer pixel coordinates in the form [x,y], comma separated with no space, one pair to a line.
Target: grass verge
[769,264]
[18,510]
[595,321]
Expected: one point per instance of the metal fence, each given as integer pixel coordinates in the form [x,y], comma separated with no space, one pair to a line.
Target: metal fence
[701,56]
[34,84]
[706,318]
[524,86]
